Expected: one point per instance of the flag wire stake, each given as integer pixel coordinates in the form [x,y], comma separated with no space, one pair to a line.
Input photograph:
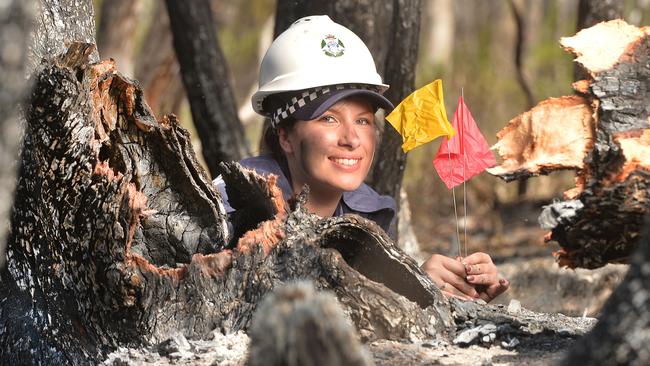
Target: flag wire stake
[453,195]
[464,181]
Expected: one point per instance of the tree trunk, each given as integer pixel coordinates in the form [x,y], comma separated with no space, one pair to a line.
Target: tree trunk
[399,73]
[157,69]
[16,22]
[604,134]
[116,33]
[522,185]
[622,334]
[206,79]
[60,23]
[590,13]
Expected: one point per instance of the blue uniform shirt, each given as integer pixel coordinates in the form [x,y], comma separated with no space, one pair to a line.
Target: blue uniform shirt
[363,201]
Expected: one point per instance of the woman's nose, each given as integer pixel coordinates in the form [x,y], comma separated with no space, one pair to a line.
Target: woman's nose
[349,135]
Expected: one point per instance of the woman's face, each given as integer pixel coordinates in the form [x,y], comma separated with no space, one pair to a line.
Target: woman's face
[333,152]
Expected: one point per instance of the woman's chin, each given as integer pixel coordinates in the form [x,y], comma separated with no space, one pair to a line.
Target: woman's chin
[348,185]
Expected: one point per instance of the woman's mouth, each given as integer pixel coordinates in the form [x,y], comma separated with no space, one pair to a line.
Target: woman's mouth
[346,162]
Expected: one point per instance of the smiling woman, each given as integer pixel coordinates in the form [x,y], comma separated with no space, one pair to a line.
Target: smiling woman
[320,89]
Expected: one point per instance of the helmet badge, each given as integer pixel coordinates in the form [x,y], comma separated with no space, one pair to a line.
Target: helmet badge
[332,46]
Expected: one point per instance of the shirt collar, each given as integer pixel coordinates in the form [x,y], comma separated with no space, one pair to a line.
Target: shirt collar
[363,199]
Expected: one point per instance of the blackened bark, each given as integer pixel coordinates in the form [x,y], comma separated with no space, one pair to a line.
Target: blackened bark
[206,79]
[603,134]
[622,334]
[16,22]
[399,73]
[89,199]
[592,12]
[116,33]
[606,229]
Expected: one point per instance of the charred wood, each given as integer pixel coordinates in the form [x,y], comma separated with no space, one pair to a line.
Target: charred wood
[604,135]
[622,333]
[119,237]
[296,325]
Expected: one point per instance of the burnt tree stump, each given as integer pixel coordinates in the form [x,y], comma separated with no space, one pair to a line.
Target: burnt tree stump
[603,133]
[118,237]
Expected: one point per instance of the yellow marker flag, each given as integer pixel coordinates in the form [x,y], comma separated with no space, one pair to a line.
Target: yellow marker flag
[421,117]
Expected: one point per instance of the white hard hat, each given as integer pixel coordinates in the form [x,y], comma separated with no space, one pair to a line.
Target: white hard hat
[315,52]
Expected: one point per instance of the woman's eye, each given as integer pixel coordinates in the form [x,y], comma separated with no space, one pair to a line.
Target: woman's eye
[364,121]
[328,119]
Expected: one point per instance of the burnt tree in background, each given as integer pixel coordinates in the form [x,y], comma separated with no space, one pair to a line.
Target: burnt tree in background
[592,12]
[116,33]
[391,30]
[206,79]
[157,69]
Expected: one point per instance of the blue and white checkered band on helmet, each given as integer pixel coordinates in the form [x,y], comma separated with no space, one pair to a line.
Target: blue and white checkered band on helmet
[299,101]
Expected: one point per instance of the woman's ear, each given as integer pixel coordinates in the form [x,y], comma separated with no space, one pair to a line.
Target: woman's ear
[285,143]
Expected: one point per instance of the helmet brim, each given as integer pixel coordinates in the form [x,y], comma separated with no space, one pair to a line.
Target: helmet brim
[320,105]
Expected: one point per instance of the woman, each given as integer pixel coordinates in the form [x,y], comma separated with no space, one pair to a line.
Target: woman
[320,89]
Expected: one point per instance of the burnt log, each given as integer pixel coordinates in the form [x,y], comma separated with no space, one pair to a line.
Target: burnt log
[118,237]
[603,134]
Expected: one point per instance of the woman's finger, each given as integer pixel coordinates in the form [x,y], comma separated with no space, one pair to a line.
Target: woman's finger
[483,279]
[460,285]
[454,266]
[495,290]
[477,258]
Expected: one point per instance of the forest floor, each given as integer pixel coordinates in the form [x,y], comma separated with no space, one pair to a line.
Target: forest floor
[537,283]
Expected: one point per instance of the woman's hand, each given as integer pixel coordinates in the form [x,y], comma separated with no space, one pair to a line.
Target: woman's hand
[482,273]
[450,276]
[470,278]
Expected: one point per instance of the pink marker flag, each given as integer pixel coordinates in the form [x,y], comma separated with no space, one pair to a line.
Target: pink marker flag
[466,154]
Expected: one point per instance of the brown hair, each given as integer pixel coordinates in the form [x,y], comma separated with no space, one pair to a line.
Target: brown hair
[271,138]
